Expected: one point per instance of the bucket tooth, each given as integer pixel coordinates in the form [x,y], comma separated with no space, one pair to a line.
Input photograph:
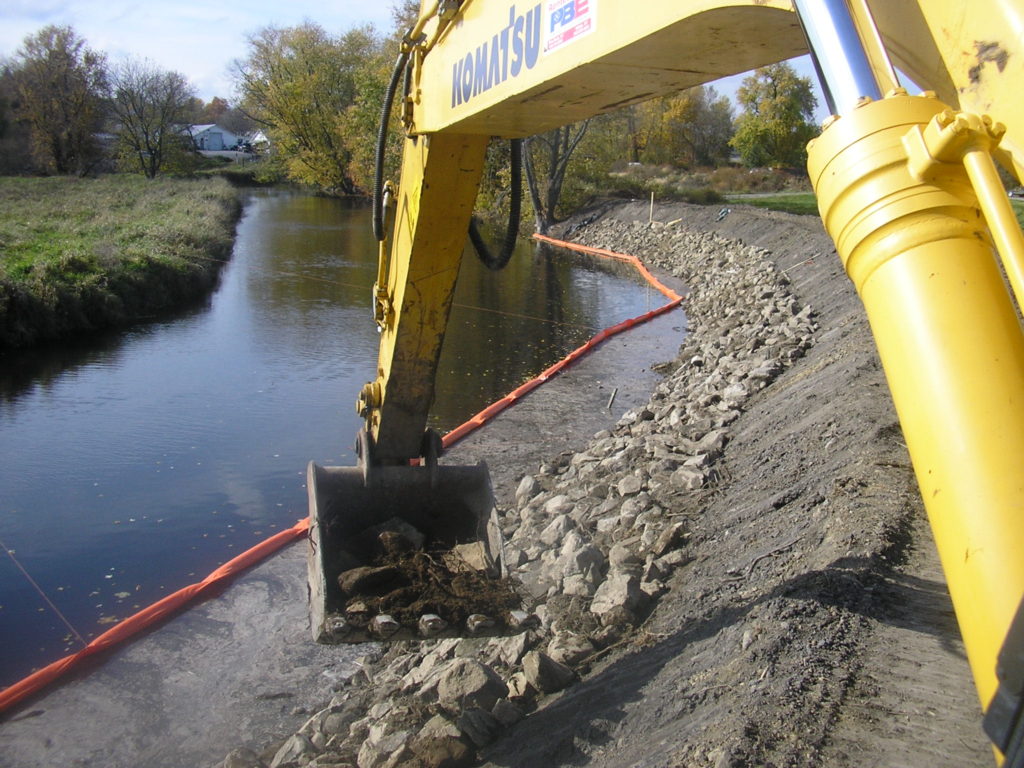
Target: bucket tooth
[384,626]
[477,623]
[432,625]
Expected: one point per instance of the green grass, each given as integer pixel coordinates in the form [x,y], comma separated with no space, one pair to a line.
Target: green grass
[1018,209]
[83,254]
[803,203]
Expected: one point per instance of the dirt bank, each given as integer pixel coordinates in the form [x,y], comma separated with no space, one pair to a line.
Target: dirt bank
[738,573]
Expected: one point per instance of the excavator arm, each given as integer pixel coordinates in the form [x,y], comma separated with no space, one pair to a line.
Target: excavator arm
[907,188]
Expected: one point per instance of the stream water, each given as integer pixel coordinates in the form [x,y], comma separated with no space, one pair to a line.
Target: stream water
[137,462]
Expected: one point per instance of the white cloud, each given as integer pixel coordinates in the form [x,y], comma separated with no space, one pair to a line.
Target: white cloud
[200,40]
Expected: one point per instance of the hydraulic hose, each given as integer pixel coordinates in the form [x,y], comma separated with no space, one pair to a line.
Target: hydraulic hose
[508,244]
[382,140]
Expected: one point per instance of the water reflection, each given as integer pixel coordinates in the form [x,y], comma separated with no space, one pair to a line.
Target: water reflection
[139,461]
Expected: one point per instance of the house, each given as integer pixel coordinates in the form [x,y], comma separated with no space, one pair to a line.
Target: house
[259,141]
[210,137]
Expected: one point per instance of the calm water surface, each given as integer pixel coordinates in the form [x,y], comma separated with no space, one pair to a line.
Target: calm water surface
[135,465]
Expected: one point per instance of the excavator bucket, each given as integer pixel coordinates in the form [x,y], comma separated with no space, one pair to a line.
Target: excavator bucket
[406,552]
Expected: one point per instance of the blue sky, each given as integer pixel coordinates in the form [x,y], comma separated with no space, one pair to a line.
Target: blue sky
[202,39]
[198,39]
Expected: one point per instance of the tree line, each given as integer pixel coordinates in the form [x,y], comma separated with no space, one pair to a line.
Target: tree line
[318,95]
[65,109]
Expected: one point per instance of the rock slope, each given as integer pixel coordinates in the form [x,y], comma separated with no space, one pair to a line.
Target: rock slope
[720,578]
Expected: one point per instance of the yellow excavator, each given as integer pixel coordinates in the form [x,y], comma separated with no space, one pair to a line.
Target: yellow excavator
[907,187]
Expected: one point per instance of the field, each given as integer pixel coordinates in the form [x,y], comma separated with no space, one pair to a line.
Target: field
[84,254]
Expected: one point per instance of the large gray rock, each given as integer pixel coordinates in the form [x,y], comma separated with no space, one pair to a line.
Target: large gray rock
[479,726]
[507,713]
[467,683]
[439,744]
[556,530]
[558,505]
[527,489]
[623,559]
[386,752]
[570,648]
[629,485]
[578,556]
[242,758]
[545,674]
[297,748]
[621,590]
[689,478]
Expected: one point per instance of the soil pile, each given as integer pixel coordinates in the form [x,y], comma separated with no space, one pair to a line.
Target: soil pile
[737,574]
[437,592]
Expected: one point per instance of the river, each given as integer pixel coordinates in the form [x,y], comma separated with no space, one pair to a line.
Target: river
[137,462]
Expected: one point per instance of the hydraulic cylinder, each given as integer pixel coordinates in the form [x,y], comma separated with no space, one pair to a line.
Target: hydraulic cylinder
[950,341]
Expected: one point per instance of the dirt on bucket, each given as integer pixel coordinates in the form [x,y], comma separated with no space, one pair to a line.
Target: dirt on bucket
[433,591]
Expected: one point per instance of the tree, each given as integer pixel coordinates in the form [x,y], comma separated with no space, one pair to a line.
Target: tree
[15,143]
[712,127]
[300,83]
[778,107]
[60,89]
[692,127]
[404,14]
[150,105]
[546,159]
[214,111]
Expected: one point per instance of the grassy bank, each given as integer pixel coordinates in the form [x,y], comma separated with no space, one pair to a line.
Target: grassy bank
[84,254]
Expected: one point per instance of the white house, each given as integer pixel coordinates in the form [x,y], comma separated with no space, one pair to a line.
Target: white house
[211,137]
[259,140]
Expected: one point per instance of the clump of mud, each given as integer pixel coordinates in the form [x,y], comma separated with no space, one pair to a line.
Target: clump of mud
[420,588]
[411,585]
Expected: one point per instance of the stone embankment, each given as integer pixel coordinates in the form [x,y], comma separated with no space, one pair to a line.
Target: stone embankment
[594,538]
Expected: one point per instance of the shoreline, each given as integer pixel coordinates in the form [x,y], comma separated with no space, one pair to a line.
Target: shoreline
[247,655]
[88,255]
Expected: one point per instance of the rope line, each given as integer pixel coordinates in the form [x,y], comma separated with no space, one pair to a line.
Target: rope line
[42,594]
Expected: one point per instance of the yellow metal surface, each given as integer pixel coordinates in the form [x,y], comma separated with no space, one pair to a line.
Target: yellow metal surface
[952,348]
[440,176]
[970,53]
[968,139]
[514,69]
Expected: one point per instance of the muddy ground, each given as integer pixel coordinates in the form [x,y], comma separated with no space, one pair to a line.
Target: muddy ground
[793,612]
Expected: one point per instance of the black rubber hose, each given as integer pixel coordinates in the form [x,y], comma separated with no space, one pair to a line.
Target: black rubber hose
[382,140]
[508,244]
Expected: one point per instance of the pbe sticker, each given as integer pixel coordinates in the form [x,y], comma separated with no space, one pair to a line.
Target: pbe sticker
[568,21]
